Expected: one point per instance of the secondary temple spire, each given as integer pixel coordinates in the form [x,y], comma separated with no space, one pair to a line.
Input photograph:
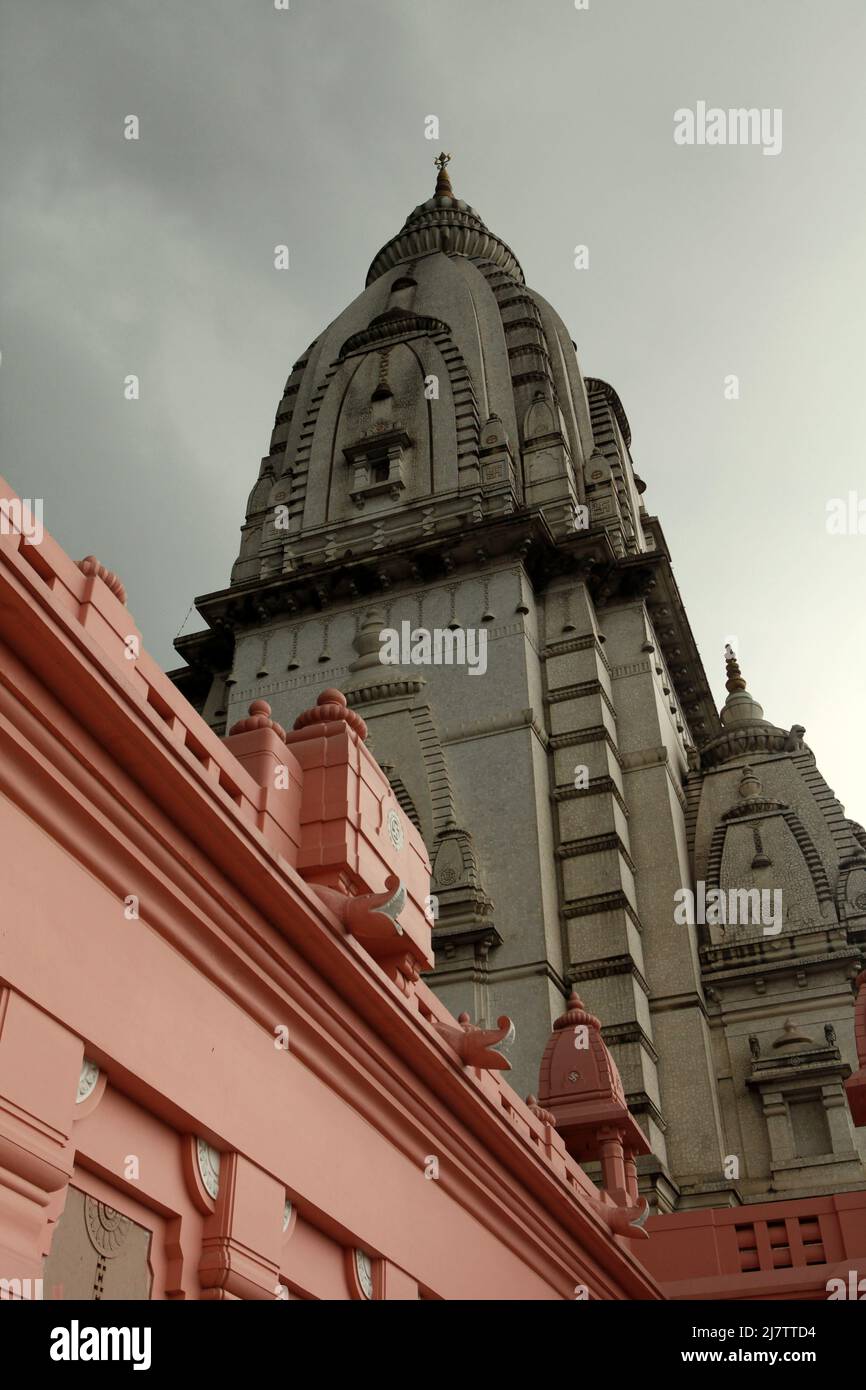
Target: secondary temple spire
[735,678]
[740,707]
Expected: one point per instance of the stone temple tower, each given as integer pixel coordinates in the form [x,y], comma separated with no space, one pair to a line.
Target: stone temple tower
[440,465]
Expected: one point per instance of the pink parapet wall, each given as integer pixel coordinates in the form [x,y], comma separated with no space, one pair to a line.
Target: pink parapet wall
[802,1248]
[221,1075]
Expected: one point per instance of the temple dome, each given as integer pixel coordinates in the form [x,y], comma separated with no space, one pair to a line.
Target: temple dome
[444,223]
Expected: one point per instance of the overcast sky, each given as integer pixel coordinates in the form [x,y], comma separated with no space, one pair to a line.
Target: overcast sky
[307,127]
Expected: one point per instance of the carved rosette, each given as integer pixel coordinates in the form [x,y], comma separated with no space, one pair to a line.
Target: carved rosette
[107,1229]
[208,1160]
[395,830]
[87,1081]
[364,1271]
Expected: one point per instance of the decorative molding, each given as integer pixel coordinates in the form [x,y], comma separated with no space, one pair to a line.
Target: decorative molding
[583,691]
[645,757]
[624,1034]
[631,668]
[503,724]
[595,844]
[598,734]
[602,969]
[595,903]
[597,786]
[576,644]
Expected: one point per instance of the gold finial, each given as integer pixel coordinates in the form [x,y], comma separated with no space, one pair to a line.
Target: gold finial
[443,182]
[735,679]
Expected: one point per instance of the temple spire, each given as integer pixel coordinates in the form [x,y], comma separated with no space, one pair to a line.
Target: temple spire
[443,182]
[740,707]
[735,678]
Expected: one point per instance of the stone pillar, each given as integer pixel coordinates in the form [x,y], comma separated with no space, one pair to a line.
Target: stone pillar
[838,1118]
[603,927]
[651,735]
[778,1127]
[612,1163]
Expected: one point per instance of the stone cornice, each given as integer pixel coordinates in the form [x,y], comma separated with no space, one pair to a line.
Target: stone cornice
[602,969]
[582,691]
[640,1103]
[622,1034]
[595,844]
[576,737]
[644,758]
[595,904]
[598,786]
[595,385]
[403,325]
[486,728]
[754,964]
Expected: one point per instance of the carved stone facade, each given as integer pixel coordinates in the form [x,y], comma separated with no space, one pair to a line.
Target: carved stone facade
[97,1253]
[439,461]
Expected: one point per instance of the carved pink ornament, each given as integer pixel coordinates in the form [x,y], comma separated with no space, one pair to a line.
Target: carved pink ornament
[90,565]
[331,706]
[476,1046]
[259,717]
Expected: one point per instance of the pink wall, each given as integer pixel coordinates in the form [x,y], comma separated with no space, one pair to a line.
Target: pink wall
[261,870]
[782,1250]
[112,787]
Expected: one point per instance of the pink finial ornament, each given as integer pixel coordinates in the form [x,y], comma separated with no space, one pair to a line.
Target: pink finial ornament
[546,1116]
[577,1014]
[90,565]
[331,706]
[259,717]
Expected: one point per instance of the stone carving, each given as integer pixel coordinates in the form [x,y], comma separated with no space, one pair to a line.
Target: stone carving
[477,1046]
[364,1271]
[87,1080]
[329,708]
[794,739]
[106,1228]
[395,830]
[545,1116]
[90,565]
[259,717]
[448,865]
[208,1159]
[370,917]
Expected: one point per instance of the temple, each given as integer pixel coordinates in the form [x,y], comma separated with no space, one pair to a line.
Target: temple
[440,466]
[430,934]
